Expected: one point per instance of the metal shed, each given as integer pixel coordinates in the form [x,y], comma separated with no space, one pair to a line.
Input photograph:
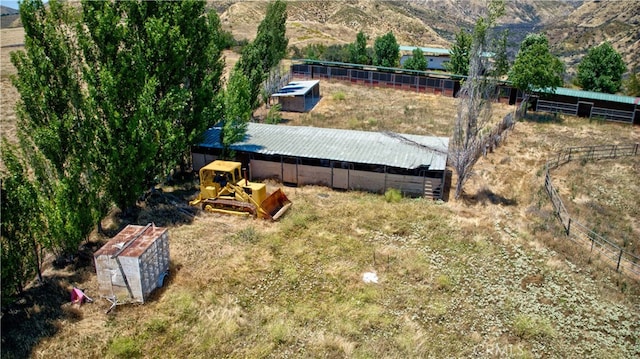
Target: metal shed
[341,159]
[298,96]
[133,263]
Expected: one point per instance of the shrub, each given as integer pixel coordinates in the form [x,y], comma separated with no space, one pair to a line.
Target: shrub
[339,96]
[124,347]
[393,195]
[531,326]
[274,116]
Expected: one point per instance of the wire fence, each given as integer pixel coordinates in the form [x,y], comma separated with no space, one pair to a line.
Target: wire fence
[623,261]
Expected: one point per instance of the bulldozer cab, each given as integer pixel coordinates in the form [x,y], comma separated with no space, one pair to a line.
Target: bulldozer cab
[215,176]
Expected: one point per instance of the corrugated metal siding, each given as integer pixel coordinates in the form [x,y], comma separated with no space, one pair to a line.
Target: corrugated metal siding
[340,145]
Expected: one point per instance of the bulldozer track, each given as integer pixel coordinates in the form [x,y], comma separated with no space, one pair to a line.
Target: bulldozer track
[211,205]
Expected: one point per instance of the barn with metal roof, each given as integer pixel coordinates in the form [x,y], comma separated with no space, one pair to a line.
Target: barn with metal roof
[298,96]
[588,104]
[342,159]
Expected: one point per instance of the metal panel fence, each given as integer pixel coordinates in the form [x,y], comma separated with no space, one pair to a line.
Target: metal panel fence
[609,251]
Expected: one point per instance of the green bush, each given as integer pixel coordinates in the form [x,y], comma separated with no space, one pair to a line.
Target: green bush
[532,326]
[339,96]
[274,116]
[124,347]
[393,195]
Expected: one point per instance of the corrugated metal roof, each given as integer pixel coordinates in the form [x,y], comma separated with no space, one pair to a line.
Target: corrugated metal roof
[430,50]
[144,237]
[296,88]
[395,150]
[563,91]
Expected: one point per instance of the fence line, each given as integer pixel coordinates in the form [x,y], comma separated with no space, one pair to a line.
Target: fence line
[610,252]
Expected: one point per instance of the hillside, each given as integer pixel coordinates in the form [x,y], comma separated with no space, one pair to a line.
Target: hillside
[594,22]
[8,17]
[572,26]
[489,275]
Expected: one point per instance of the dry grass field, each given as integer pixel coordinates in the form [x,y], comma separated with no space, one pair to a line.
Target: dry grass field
[489,275]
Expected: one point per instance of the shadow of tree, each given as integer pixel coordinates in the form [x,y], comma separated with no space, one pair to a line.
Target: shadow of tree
[542,117]
[485,196]
[39,309]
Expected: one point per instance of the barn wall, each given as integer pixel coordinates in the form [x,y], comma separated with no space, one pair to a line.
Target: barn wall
[314,175]
[367,181]
[412,185]
[292,104]
[199,160]
[265,169]
[293,172]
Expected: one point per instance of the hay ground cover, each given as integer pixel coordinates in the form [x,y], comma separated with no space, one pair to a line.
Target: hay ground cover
[488,275]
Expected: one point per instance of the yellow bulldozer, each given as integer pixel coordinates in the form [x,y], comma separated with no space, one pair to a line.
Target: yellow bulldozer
[224,190]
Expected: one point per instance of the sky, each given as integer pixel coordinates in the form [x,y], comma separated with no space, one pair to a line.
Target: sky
[9,3]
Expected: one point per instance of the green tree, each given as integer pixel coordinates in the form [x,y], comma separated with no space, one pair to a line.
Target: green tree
[417,61]
[358,50]
[238,109]
[111,96]
[21,226]
[535,68]
[386,51]
[601,69]
[632,84]
[56,139]
[459,63]
[159,71]
[501,60]
[266,51]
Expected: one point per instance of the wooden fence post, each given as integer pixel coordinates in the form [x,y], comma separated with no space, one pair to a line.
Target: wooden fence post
[619,259]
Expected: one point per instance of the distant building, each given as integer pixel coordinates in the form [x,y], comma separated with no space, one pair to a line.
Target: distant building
[298,96]
[436,57]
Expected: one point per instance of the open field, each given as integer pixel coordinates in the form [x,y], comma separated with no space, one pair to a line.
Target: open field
[491,272]
[490,275]
[603,195]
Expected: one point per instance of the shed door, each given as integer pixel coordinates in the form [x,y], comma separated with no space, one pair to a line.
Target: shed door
[289,170]
[340,171]
[584,109]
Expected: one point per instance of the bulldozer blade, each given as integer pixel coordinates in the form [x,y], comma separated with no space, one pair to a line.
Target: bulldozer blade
[276,204]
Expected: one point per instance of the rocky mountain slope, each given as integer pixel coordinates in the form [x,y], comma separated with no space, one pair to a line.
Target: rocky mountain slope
[572,26]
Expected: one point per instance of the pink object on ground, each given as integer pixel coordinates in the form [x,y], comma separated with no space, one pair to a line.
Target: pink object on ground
[78,296]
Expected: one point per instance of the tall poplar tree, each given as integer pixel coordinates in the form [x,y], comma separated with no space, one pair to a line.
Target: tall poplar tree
[460,52]
[111,96]
[269,47]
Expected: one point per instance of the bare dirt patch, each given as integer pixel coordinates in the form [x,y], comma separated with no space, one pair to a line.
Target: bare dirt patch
[10,40]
